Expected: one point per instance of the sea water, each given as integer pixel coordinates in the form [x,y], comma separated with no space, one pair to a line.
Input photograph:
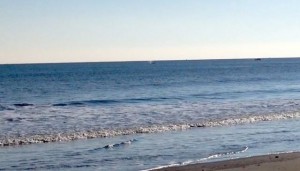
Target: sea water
[146,115]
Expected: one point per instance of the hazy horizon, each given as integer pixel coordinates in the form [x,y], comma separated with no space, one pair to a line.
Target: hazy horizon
[163,60]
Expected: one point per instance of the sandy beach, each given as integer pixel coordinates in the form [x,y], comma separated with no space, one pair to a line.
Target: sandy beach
[272,162]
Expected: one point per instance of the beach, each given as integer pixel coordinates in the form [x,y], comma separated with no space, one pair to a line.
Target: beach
[149,85]
[272,162]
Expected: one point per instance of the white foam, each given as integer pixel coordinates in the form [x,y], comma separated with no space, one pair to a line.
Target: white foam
[161,167]
[198,161]
[223,154]
[10,141]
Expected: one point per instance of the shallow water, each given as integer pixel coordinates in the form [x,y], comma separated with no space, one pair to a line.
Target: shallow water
[153,150]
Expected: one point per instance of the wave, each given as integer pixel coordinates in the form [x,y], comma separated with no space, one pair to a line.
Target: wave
[94,102]
[217,95]
[91,102]
[12,141]
[110,146]
[14,106]
[79,103]
[2,108]
[162,167]
[119,144]
[217,155]
[17,119]
[23,104]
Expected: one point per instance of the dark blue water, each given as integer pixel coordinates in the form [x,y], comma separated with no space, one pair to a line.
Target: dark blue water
[62,102]
[140,82]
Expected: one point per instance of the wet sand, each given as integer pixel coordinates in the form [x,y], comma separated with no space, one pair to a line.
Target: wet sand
[272,162]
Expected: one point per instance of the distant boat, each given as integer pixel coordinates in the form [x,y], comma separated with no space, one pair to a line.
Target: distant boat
[151,62]
[257,59]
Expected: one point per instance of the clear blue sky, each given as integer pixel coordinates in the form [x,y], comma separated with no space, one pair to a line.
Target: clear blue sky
[122,30]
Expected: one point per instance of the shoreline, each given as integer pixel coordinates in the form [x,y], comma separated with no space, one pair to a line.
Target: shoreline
[271,162]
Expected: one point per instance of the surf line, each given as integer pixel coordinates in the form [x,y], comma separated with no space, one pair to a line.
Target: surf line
[15,141]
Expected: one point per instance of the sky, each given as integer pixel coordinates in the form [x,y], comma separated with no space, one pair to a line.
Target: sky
[47,31]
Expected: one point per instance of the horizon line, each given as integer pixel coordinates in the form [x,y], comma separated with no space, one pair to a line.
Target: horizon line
[163,60]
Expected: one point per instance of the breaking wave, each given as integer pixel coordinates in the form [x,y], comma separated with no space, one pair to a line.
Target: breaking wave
[12,141]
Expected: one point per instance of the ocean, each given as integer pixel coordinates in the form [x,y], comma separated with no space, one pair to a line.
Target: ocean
[142,115]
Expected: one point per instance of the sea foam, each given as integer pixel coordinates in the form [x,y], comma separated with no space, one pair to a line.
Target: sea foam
[12,141]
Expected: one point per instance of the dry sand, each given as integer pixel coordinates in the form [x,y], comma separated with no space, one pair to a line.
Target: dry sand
[273,162]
